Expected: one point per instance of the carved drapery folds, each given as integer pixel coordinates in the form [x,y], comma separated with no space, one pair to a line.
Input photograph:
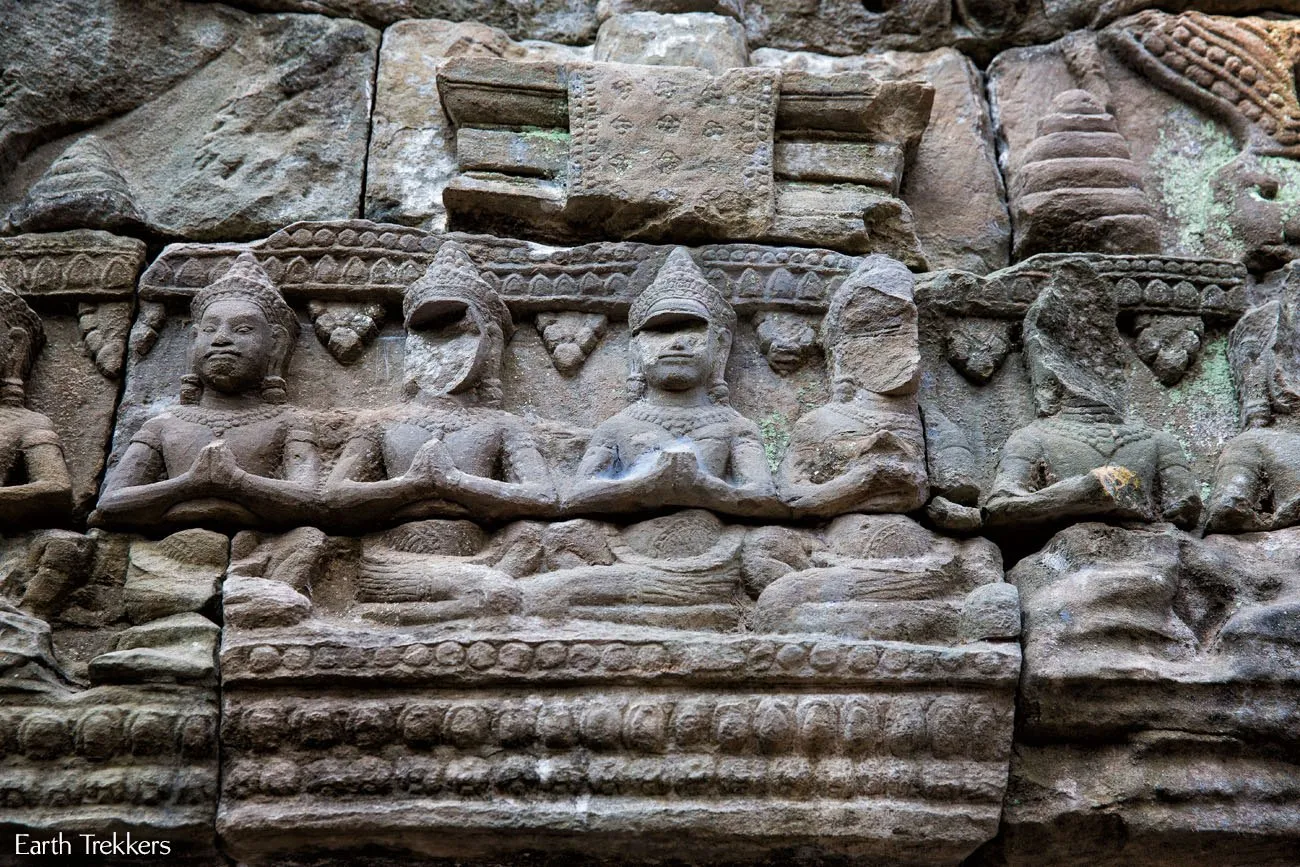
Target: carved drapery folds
[622,510]
[664,530]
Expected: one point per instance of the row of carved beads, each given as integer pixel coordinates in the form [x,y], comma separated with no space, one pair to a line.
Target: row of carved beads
[681,775]
[99,734]
[140,786]
[514,657]
[900,725]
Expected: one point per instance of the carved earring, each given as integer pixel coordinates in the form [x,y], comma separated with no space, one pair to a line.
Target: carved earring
[635,386]
[191,389]
[12,392]
[274,389]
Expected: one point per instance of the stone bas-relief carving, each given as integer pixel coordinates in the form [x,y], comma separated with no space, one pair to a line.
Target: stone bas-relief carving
[677,545]
[34,482]
[1159,690]
[688,649]
[679,443]
[439,454]
[864,451]
[612,667]
[108,687]
[1255,483]
[672,152]
[66,302]
[1082,458]
[230,453]
[183,120]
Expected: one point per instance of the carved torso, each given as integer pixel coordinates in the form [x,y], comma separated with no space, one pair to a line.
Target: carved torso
[474,437]
[644,429]
[20,429]
[1069,448]
[255,437]
[830,440]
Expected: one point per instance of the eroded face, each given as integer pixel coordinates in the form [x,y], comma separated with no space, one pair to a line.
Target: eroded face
[441,350]
[675,353]
[232,348]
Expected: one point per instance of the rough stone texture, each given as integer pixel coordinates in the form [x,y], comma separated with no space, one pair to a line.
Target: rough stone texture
[710,42]
[955,159]
[412,144]
[346,541]
[220,125]
[1217,191]
[1185,713]
[110,727]
[660,651]
[567,21]
[979,28]
[80,286]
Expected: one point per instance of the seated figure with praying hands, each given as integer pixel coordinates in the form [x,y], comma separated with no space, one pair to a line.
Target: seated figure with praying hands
[448,451]
[232,453]
[679,444]
[864,451]
[34,481]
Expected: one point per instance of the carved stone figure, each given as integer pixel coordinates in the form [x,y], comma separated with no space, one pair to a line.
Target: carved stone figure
[448,450]
[232,452]
[680,571]
[679,443]
[865,450]
[880,577]
[34,481]
[1257,479]
[1082,458]
[1156,678]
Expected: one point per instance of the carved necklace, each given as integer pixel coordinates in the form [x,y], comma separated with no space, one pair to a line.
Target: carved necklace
[222,421]
[1105,439]
[866,415]
[679,420]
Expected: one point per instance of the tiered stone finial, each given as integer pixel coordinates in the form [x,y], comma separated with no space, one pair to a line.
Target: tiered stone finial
[1077,190]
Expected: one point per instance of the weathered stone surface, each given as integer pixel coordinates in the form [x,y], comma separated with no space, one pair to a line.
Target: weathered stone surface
[685,544]
[1076,188]
[954,161]
[658,649]
[136,753]
[1170,656]
[1217,183]
[711,42]
[972,359]
[66,301]
[978,28]
[413,149]
[222,125]
[568,21]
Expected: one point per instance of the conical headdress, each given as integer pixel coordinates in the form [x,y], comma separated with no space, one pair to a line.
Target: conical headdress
[680,287]
[248,281]
[452,276]
[15,312]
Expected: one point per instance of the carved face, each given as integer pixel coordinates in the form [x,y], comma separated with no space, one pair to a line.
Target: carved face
[233,346]
[675,352]
[442,349]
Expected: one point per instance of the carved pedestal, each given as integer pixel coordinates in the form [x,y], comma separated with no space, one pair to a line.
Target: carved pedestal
[646,743]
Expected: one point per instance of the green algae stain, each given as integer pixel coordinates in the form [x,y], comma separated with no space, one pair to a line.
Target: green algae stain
[1189,152]
[775,428]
